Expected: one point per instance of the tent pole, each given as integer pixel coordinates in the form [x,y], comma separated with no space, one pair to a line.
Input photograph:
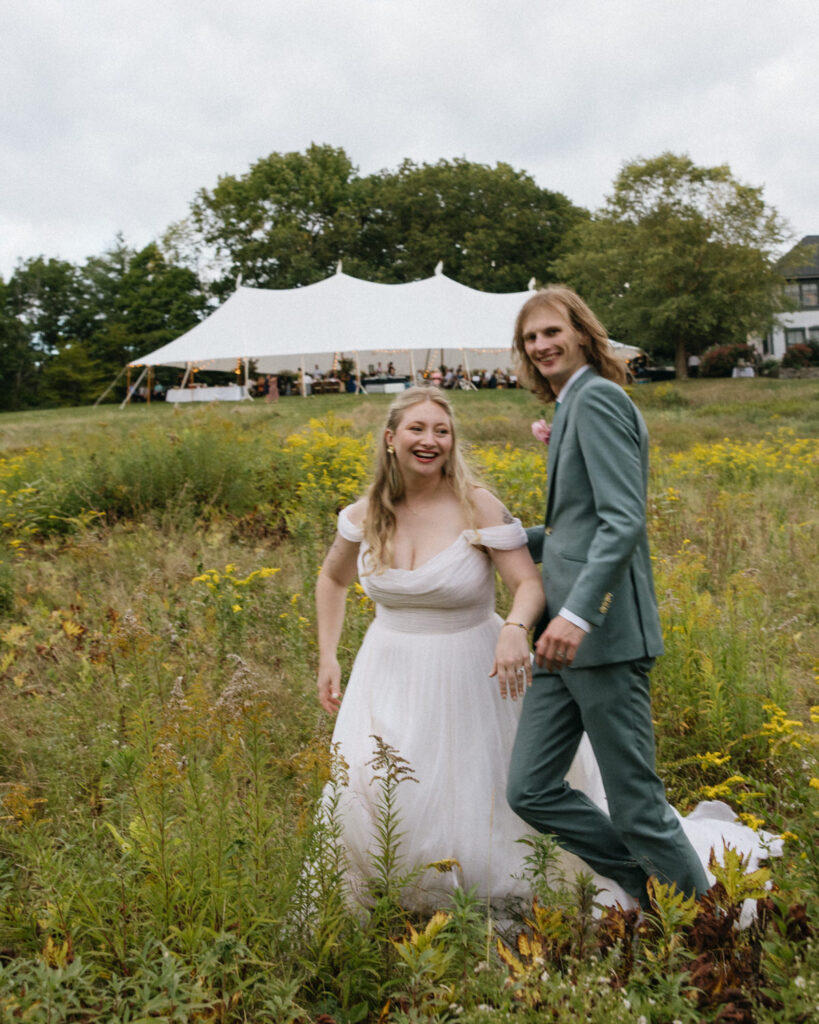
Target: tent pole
[303,381]
[113,382]
[185,375]
[150,385]
[412,368]
[136,385]
[469,385]
[359,390]
[127,388]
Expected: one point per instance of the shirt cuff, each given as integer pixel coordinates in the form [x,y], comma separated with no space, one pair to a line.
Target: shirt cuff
[575,620]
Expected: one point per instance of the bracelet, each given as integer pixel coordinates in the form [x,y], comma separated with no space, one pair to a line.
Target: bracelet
[511,622]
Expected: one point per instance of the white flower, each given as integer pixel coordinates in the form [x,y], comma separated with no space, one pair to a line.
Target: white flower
[799,981]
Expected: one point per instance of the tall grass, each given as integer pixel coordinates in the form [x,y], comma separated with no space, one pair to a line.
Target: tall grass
[162,753]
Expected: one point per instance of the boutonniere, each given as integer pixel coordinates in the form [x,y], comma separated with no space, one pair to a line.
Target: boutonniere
[542,431]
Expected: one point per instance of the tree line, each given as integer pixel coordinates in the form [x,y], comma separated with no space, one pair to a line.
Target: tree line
[679,258]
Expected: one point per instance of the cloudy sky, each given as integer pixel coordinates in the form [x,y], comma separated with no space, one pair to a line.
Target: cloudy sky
[115,112]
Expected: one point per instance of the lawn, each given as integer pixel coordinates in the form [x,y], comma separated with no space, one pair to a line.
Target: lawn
[162,750]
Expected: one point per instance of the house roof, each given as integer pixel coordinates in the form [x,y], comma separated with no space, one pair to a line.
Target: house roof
[807,269]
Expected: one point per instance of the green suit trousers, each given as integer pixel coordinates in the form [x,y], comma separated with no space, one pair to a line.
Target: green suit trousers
[641,835]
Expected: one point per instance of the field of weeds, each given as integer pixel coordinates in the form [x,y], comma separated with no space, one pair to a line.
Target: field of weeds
[162,750]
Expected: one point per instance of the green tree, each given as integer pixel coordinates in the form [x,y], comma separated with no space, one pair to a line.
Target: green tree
[284,223]
[680,258]
[66,331]
[494,228]
[155,301]
[290,219]
[73,376]
[134,303]
[18,364]
[45,296]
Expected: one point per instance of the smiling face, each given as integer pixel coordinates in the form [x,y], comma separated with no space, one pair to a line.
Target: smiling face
[554,347]
[422,440]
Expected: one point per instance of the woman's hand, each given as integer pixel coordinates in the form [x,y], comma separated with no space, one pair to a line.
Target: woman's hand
[513,663]
[329,685]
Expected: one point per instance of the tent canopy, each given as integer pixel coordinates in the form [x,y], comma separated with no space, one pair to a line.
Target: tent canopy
[343,314]
[278,328]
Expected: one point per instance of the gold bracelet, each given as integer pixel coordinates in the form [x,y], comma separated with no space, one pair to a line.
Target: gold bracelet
[511,622]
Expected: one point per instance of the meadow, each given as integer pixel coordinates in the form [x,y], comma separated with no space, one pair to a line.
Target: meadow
[162,750]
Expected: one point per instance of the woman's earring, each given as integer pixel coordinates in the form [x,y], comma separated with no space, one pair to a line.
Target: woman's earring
[390,450]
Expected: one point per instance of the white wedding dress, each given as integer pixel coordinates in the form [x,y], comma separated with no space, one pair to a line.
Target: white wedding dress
[421,683]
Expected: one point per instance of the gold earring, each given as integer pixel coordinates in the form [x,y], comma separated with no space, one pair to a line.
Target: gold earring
[390,450]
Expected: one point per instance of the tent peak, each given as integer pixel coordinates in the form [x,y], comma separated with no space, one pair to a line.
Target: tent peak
[439,268]
[338,267]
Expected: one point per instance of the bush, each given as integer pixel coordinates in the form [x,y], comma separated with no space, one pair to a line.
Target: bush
[797,356]
[768,368]
[720,360]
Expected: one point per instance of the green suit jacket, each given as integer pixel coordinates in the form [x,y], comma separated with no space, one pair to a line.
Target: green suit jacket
[593,545]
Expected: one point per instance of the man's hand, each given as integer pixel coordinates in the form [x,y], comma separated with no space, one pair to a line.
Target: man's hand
[557,644]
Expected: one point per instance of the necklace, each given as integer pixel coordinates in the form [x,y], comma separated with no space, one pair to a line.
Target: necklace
[412,511]
[422,507]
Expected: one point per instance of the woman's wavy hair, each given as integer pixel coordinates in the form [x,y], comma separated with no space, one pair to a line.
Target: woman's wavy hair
[596,340]
[387,488]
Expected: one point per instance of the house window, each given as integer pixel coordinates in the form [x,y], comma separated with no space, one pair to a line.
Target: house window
[813,333]
[794,336]
[803,293]
[810,294]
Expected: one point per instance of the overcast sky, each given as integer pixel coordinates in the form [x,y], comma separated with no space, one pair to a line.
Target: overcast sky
[115,112]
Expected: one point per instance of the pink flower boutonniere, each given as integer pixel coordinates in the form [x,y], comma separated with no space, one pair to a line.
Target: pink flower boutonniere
[542,431]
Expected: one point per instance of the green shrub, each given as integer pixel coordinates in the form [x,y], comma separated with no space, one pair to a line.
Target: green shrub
[720,360]
[768,368]
[798,356]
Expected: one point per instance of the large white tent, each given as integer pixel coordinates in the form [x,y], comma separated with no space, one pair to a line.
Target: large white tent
[415,326]
[279,328]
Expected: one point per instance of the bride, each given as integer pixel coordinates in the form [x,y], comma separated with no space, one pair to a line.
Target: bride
[439,673]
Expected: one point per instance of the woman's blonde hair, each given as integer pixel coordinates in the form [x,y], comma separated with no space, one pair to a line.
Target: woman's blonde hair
[595,337]
[387,488]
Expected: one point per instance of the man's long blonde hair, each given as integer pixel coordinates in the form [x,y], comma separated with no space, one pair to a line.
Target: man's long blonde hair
[387,489]
[595,339]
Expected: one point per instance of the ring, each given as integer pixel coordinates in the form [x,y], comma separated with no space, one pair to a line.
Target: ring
[561,654]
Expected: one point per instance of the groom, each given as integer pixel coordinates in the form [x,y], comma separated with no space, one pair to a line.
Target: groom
[601,631]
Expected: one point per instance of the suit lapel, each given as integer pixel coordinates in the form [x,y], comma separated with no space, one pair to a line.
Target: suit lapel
[559,422]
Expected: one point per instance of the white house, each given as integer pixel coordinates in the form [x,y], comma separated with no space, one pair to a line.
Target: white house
[802,324]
